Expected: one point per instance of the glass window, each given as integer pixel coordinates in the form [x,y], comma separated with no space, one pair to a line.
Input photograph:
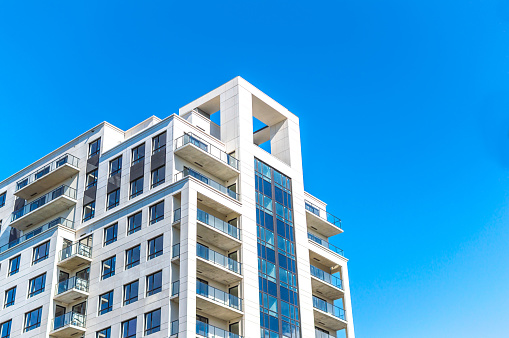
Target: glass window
[106,302]
[129,328]
[158,143]
[91,179]
[5,329]
[104,333]
[132,257]
[2,199]
[108,267]
[131,292]
[88,211]
[154,283]
[156,212]
[36,285]
[157,176]
[134,223]
[41,252]
[138,153]
[10,296]
[110,234]
[155,247]
[33,319]
[152,322]
[113,199]
[136,187]
[116,166]
[41,172]
[94,148]
[14,265]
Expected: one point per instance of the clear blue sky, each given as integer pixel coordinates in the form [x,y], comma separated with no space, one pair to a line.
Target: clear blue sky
[404,110]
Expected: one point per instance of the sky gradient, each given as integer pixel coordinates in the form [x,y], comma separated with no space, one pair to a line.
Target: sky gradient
[404,114]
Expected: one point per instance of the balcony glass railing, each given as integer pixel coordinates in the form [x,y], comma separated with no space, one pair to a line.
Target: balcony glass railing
[217,258]
[331,309]
[174,328]
[323,214]
[70,318]
[219,224]
[326,244]
[175,250]
[320,334]
[57,221]
[219,296]
[209,331]
[176,215]
[326,277]
[73,283]
[206,180]
[47,169]
[63,190]
[175,288]
[75,249]
[208,148]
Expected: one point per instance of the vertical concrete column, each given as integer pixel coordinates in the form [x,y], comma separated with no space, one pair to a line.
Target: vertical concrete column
[280,141]
[187,294]
[347,302]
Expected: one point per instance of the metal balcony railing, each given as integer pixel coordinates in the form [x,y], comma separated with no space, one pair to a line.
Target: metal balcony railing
[174,328]
[73,283]
[175,250]
[326,277]
[67,158]
[217,258]
[323,214]
[326,244]
[329,308]
[55,222]
[75,249]
[175,288]
[209,331]
[208,148]
[177,215]
[320,334]
[219,296]
[219,224]
[206,180]
[63,190]
[70,318]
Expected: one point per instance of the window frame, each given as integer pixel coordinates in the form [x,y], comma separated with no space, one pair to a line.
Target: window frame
[29,315]
[138,192]
[6,301]
[18,260]
[36,249]
[98,151]
[156,253]
[112,268]
[115,234]
[153,291]
[132,298]
[161,180]
[3,198]
[133,263]
[117,199]
[92,213]
[109,308]
[94,182]
[9,327]
[128,321]
[138,228]
[117,171]
[148,331]
[158,149]
[107,334]
[139,158]
[151,210]
[31,281]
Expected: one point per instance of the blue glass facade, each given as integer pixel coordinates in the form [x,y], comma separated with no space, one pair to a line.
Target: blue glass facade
[277,274]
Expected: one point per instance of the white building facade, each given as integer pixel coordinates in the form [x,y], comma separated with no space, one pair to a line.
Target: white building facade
[178,227]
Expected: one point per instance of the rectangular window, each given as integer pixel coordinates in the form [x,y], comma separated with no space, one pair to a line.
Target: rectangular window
[104,333]
[155,247]
[138,154]
[2,199]
[14,265]
[110,234]
[132,257]
[91,179]
[5,329]
[156,212]
[33,319]
[41,172]
[136,187]
[154,283]
[116,166]
[113,199]
[89,211]
[157,176]
[108,267]
[105,302]
[94,148]
[41,252]
[36,285]
[10,296]
[129,328]
[159,143]
[134,223]
[152,322]
[131,292]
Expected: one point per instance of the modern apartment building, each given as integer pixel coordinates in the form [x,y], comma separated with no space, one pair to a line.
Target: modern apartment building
[179,227]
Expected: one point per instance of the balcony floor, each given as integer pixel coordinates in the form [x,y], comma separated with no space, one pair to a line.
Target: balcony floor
[321,226]
[328,320]
[70,296]
[210,270]
[219,310]
[67,331]
[325,289]
[50,180]
[74,262]
[216,237]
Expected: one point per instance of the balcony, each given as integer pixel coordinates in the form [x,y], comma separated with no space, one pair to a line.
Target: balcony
[42,208]
[214,301]
[71,290]
[216,231]
[210,182]
[68,325]
[209,331]
[175,254]
[322,221]
[326,245]
[52,174]
[320,334]
[326,284]
[213,265]
[75,256]
[174,328]
[213,160]
[328,314]
[58,221]
[175,291]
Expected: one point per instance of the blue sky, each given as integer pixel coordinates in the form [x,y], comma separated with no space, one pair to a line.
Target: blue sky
[404,111]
